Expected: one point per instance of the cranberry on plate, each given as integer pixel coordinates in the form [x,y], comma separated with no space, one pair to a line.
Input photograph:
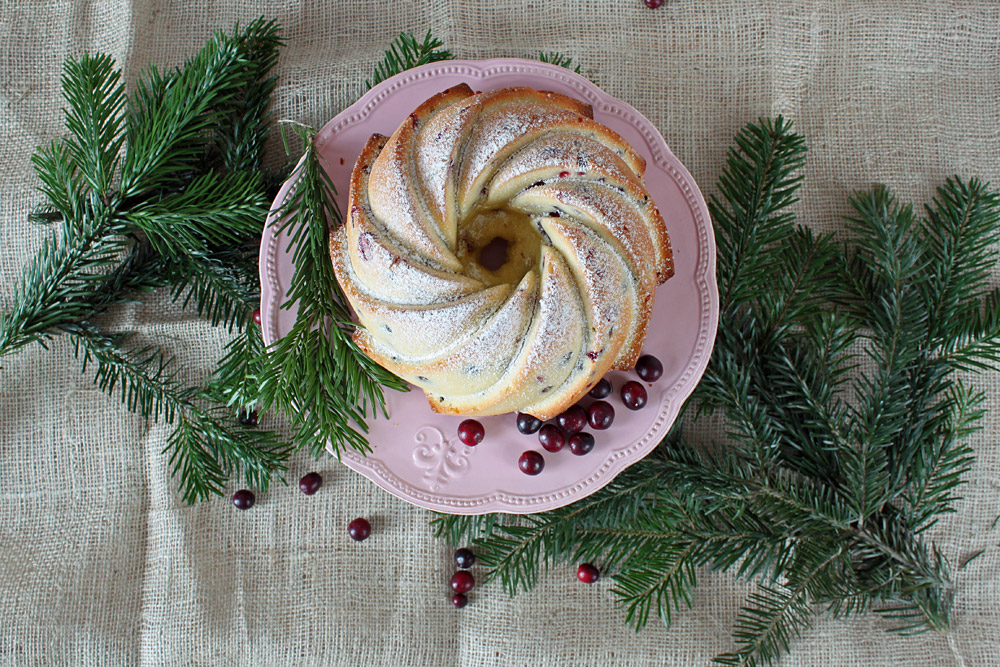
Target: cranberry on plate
[573,420]
[633,395]
[528,424]
[581,443]
[649,368]
[601,415]
[551,438]
[471,432]
[601,390]
[531,462]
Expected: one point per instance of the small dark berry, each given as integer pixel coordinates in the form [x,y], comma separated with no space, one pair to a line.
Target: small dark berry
[243,499]
[587,573]
[464,558]
[459,600]
[649,368]
[633,395]
[653,4]
[462,581]
[359,529]
[471,432]
[551,438]
[247,417]
[310,483]
[256,316]
[528,424]
[574,419]
[581,443]
[601,390]
[601,415]
[531,463]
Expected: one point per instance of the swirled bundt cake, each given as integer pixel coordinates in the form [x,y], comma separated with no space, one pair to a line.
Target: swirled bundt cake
[501,251]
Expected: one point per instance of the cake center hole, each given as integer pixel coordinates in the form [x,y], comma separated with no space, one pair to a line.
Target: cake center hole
[494,254]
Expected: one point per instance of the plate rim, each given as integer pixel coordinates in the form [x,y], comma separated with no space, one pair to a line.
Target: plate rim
[704,278]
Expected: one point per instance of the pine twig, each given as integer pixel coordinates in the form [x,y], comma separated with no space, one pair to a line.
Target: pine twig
[556,58]
[836,468]
[406,52]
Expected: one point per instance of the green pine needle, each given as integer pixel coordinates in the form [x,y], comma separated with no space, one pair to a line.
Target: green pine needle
[834,375]
[153,189]
[315,374]
[559,59]
[406,52]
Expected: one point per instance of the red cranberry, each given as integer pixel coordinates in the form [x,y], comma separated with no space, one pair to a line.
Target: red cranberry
[601,415]
[464,558]
[462,581]
[359,529]
[459,600]
[653,4]
[247,417]
[243,499]
[256,317]
[574,419]
[531,463]
[587,573]
[649,368]
[528,424]
[471,432]
[601,390]
[551,438]
[581,443]
[310,483]
[633,395]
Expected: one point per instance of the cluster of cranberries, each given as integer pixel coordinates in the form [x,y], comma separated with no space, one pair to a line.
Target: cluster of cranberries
[462,581]
[567,431]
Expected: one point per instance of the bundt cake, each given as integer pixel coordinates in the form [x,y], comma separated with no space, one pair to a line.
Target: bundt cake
[501,251]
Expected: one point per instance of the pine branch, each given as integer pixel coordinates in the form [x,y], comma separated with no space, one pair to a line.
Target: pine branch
[458,528]
[766,626]
[836,467]
[556,58]
[244,122]
[757,186]
[57,287]
[315,374]
[221,291]
[405,53]
[141,199]
[96,98]
[206,447]
[215,209]
[234,382]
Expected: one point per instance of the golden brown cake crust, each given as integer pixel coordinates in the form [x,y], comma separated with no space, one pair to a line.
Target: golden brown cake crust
[583,248]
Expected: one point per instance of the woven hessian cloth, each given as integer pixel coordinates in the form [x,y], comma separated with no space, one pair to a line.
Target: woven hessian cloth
[101,563]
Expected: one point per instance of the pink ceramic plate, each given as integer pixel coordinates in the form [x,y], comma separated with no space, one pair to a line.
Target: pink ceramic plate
[417,455]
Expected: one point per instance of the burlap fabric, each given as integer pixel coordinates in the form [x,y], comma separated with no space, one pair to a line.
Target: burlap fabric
[100,563]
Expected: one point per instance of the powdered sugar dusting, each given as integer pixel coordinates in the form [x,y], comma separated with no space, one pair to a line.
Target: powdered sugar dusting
[478,350]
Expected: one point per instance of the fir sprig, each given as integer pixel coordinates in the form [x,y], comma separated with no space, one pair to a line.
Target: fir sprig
[834,374]
[315,374]
[559,59]
[406,52]
[154,188]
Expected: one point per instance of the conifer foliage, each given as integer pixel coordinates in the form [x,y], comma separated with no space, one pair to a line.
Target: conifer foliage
[834,372]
